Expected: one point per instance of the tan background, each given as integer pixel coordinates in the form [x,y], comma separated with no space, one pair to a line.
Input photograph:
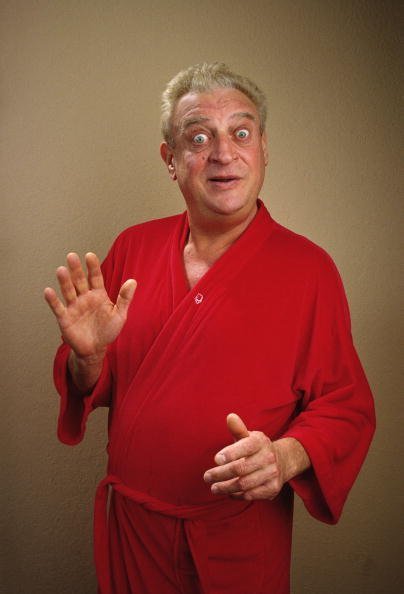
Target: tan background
[80,134]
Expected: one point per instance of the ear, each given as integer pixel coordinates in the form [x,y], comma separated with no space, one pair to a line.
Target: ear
[167,155]
[264,143]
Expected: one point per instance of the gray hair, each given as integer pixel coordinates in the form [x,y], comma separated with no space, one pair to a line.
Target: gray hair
[206,77]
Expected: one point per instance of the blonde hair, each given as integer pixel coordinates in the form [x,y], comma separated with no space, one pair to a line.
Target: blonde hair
[206,77]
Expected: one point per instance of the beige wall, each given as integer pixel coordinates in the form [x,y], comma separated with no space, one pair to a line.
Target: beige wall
[80,134]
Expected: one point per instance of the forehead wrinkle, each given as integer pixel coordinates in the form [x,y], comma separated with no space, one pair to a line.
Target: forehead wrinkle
[190,121]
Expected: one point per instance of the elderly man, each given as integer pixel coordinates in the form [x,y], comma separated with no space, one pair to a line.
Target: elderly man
[233,314]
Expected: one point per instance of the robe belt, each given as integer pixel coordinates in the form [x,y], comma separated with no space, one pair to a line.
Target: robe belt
[193,516]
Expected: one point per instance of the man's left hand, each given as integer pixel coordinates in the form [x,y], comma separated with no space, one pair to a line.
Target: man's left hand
[254,467]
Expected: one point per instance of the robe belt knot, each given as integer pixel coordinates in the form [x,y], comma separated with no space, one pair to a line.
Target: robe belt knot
[193,516]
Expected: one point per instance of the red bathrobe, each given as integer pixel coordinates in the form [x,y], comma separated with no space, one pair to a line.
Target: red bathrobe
[265,334]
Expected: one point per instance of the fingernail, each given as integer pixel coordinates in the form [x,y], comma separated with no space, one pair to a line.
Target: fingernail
[214,489]
[207,477]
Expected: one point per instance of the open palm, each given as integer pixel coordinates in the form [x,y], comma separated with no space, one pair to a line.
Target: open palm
[88,319]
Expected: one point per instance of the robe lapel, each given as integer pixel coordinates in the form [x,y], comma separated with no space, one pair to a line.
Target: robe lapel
[191,309]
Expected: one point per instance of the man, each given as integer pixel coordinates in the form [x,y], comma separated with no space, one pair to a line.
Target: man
[233,314]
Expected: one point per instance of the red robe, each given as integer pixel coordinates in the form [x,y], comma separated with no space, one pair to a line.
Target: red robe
[266,334]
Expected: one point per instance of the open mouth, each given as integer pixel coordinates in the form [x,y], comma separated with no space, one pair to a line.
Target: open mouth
[224,180]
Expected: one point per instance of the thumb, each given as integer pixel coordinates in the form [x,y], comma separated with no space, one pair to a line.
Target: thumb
[125,296]
[236,426]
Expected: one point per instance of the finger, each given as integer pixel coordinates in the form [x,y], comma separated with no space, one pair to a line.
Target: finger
[67,288]
[268,490]
[125,296]
[247,446]
[54,302]
[240,467]
[236,426]
[238,495]
[246,483]
[78,277]
[261,493]
[94,273]
[225,488]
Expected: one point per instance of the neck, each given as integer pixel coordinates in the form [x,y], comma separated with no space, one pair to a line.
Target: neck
[209,239]
[208,242]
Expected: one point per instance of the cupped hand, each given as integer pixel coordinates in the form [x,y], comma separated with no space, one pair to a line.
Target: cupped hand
[87,318]
[250,468]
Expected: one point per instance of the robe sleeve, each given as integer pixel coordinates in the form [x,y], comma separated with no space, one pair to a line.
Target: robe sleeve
[74,406]
[336,419]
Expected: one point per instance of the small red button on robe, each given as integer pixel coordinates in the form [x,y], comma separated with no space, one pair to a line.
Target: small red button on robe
[266,334]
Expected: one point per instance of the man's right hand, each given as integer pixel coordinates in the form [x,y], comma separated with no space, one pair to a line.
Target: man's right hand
[88,320]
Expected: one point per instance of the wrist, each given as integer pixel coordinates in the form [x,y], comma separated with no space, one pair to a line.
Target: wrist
[88,361]
[86,370]
[292,457]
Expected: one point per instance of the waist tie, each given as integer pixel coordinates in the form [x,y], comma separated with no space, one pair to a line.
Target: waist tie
[191,514]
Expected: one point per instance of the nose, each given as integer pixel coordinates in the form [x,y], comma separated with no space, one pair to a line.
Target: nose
[222,150]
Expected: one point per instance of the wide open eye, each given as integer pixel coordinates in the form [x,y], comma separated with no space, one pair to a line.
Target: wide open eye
[200,138]
[242,134]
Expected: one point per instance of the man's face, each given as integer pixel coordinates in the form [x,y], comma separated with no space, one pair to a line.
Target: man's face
[219,155]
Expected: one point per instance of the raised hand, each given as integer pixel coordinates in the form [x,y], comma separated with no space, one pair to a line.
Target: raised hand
[254,467]
[88,319]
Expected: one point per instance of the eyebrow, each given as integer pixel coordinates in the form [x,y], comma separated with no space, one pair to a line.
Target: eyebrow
[185,124]
[243,114]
